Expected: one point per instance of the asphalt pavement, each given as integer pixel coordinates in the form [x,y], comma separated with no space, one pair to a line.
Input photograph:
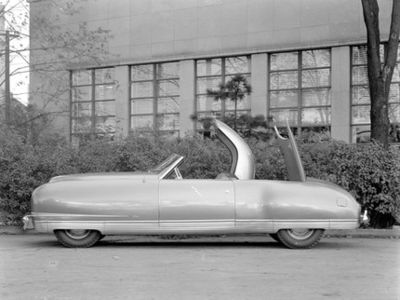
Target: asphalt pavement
[36,266]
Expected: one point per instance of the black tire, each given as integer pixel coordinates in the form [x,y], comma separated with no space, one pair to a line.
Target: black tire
[77,238]
[300,238]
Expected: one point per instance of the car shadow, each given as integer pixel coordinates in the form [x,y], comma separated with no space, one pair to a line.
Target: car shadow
[116,242]
[186,244]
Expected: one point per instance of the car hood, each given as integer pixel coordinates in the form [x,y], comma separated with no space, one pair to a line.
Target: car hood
[100,176]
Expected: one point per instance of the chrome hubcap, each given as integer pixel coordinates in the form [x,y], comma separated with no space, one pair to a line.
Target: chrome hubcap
[77,234]
[300,234]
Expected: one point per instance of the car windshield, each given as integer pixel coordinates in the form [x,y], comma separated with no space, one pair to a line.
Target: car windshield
[163,165]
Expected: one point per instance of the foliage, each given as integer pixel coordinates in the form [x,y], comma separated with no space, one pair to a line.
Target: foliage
[368,171]
[235,89]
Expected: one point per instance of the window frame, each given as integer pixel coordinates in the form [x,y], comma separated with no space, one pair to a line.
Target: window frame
[92,132]
[223,76]
[155,98]
[367,125]
[299,90]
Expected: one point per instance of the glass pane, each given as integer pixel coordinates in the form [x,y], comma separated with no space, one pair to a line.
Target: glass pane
[142,122]
[394,133]
[316,78]
[209,67]
[106,108]
[205,103]
[82,77]
[316,58]
[104,92]
[283,99]
[81,125]
[207,83]
[359,75]
[168,88]
[360,95]
[361,114]
[168,105]
[316,97]
[168,70]
[142,89]
[284,80]
[284,61]
[359,55]
[315,116]
[361,134]
[141,106]
[81,109]
[280,117]
[396,74]
[142,72]
[394,93]
[394,113]
[234,65]
[168,122]
[229,77]
[104,75]
[83,93]
[241,104]
[105,124]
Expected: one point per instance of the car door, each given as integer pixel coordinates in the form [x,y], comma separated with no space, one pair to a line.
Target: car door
[196,204]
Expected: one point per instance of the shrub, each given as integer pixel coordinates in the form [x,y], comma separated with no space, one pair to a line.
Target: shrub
[368,171]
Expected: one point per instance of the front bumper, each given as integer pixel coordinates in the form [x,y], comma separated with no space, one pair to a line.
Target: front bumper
[28,222]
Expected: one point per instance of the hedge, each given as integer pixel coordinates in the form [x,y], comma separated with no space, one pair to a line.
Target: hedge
[368,171]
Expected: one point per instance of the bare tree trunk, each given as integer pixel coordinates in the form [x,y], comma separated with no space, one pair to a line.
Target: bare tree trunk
[380,78]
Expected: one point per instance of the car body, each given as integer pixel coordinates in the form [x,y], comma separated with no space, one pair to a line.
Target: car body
[80,209]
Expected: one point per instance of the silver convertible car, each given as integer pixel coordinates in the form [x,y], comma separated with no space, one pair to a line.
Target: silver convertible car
[82,209]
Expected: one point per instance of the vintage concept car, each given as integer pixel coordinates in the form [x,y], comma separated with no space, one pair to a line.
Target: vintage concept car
[81,209]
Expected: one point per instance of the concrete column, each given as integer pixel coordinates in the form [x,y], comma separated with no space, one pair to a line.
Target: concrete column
[122,100]
[259,68]
[187,95]
[340,89]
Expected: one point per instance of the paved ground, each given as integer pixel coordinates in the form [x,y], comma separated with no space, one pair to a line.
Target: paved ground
[37,267]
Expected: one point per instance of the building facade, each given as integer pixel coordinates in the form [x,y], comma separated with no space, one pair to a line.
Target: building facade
[305,61]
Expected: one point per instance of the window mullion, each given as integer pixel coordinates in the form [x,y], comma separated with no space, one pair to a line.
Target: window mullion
[155,96]
[300,93]
[93,99]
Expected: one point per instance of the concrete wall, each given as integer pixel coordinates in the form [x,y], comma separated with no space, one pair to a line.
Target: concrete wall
[161,30]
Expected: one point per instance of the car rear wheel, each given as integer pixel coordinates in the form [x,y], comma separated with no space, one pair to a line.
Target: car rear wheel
[74,238]
[299,238]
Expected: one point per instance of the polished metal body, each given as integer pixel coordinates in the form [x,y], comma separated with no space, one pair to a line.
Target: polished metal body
[161,201]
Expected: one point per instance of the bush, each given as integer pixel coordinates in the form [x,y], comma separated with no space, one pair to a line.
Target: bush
[367,171]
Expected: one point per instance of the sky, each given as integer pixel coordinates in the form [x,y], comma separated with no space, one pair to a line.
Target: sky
[16,20]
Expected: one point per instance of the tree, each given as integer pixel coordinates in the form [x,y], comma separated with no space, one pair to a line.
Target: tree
[234,89]
[55,48]
[380,75]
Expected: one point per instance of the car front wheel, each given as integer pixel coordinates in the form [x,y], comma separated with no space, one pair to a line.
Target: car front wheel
[73,238]
[299,238]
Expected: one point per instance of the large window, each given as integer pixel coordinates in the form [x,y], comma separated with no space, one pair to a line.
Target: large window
[300,89]
[155,98]
[360,100]
[209,74]
[92,103]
